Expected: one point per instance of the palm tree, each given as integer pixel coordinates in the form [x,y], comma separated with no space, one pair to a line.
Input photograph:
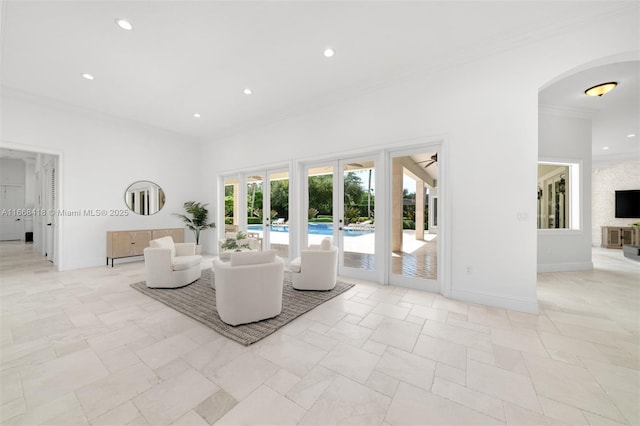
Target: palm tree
[198,220]
[369,195]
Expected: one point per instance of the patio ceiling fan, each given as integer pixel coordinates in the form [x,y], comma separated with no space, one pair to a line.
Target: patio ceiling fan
[434,159]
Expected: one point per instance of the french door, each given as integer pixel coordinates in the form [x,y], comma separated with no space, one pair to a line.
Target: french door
[340,203]
[413,225]
[257,203]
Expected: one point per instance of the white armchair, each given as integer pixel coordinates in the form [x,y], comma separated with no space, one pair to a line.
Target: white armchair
[170,265]
[316,268]
[249,286]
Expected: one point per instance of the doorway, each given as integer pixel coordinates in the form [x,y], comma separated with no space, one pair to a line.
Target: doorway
[31,187]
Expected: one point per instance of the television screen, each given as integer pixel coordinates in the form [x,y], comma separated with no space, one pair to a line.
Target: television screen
[628,204]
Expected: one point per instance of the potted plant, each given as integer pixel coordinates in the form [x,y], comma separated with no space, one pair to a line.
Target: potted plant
[196,219]
[232,243]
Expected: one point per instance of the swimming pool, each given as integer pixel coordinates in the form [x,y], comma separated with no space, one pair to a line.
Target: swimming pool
[314,228]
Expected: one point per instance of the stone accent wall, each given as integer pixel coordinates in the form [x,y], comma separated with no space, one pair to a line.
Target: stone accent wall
[605,181]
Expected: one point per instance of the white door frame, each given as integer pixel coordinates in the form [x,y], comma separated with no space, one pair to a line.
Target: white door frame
[441,283]
[59,232]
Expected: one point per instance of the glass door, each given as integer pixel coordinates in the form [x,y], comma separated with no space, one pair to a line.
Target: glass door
[231,203]
[277,206]
[414,213]
[267,210]
[255,188]
[340,199]
[357,235]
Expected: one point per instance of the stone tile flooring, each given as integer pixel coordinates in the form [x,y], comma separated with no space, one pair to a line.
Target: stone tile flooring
[82,347]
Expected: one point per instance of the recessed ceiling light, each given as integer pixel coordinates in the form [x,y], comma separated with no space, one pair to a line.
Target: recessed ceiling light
[196,115]
[605,147]
[247,91]
[631,135]
[124,24]
[88,76]
[329,52]
[601,89]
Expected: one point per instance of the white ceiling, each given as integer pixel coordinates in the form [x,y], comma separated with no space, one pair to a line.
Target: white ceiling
[614,115]
[184,57]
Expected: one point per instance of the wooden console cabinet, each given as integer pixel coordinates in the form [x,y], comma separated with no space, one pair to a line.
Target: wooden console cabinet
[617,236]
[132,243]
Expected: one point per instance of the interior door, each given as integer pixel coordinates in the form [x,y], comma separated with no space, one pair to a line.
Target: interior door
[340,202]
[12,206]
[50,206]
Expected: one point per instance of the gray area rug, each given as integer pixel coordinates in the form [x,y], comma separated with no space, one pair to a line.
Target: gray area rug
[198,301]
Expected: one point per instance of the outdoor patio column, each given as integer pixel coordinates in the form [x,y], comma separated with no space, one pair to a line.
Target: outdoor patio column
[420,189]
[396,205]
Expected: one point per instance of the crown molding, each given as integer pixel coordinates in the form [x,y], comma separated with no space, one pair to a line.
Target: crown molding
[561,111]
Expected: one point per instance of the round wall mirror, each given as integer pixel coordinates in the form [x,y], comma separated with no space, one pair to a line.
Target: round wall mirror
[144,197]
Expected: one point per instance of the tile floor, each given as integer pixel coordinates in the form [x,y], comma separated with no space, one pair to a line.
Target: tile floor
[81,347]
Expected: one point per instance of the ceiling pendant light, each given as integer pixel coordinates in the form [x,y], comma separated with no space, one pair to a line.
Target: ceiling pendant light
[601,89]
[124,24]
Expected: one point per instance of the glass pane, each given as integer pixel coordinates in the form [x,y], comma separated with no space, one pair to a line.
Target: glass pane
[358,237]
[320,208]
[255,200]
[279,200]
[231,204]
[553,196]
[413,219]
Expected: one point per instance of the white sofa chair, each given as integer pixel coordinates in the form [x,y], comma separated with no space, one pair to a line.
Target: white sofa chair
[170,265]
[249,286]
[316,268]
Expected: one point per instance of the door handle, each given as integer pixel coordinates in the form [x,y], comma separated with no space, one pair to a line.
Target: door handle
[18,220]
[49,224]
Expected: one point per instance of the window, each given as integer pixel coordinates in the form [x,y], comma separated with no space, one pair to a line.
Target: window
[558,195]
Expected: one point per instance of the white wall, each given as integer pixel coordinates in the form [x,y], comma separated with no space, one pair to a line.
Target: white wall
[605,182]
[100,157]
[567,138]
[30,184]
[488,112]
[12,171]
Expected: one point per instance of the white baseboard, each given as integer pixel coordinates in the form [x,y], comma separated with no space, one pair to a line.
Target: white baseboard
[520,304]
[565,267]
